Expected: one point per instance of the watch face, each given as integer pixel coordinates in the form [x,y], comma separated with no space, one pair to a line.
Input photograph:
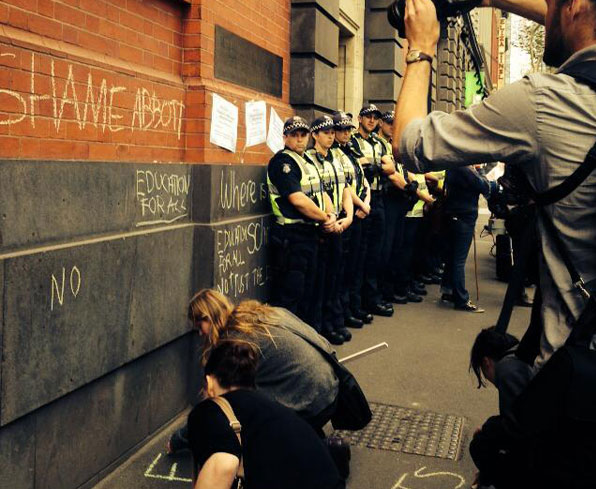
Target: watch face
[412,55]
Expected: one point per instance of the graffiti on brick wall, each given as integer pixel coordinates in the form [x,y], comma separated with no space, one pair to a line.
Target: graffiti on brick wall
[161,196]
[97,104]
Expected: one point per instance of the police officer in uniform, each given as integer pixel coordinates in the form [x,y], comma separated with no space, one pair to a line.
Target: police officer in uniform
[399,198]
[349,155]
[375,163]
[331,323]
[301,208]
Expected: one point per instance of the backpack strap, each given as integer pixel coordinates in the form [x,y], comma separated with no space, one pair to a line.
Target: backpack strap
[226,407]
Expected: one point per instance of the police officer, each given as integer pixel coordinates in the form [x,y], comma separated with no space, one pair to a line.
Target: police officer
[349,155]
[399,198]
[330,251]
[301,209]
[375,163]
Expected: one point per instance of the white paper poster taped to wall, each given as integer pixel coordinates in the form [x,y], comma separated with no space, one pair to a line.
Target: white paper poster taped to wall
[275,139]
[256,123]
[224,124]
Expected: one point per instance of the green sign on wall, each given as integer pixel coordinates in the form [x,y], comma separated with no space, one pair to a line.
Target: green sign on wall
[473,87]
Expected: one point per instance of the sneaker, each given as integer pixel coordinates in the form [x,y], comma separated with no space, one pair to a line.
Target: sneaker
[469,307]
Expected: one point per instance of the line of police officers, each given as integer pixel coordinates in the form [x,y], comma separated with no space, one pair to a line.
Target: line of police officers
[340,208]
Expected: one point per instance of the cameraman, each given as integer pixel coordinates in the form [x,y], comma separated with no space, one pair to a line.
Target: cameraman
[545,123]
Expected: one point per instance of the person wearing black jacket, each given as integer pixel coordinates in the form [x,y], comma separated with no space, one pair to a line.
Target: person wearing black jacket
[464,185]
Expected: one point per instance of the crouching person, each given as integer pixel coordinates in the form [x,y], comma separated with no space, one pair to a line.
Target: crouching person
[277,448]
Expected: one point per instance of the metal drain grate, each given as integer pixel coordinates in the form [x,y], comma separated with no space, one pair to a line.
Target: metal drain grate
[407,430]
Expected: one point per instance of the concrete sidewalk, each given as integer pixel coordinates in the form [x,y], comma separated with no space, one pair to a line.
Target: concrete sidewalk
[425,369]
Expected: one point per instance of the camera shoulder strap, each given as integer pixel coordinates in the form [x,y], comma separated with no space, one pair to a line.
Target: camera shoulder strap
[585,73]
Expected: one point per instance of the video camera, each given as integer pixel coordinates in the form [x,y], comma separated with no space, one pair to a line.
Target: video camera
[445,9]
[513,190]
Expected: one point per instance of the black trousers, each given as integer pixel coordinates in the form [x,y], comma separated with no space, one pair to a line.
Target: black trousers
[372,235]
[403,275]
[354,269]
[294,249]
[395,215]
[329,314]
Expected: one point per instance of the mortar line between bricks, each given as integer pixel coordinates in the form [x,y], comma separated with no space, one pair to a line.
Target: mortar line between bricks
[102,239]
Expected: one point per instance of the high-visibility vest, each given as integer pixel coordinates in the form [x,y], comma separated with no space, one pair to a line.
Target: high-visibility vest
[310,185]
[332,177]
[352,168]
[389,151]
[372,149]
[418,209]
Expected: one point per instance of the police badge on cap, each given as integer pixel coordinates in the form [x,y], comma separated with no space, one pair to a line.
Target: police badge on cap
[295,123]
[322,123]
[368,109]
[342,120]
[388,117]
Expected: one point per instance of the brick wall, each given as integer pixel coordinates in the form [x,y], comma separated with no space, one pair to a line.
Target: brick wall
[262,22]
[109,80]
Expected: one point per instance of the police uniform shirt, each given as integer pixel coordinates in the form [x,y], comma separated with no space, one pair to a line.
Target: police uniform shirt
[325,168]
[353,153]
[371,147]
[285,174]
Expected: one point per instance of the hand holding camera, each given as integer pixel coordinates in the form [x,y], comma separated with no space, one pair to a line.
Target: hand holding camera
[405,14]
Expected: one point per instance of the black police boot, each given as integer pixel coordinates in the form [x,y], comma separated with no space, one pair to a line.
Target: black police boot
[380,310]
[412,297]
[352,322]
[364,316]
[334,337]
[397,299]
[425,279]
[345,334]
[418,288]
[400,299]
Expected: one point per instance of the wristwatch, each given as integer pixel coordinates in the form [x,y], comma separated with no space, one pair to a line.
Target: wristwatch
[415,55]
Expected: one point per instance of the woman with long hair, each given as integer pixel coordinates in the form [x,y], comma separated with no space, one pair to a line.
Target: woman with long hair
[291,370]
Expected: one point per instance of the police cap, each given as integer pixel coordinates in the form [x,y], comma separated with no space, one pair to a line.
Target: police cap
[341,120]
[322,123]
[388,116]
[368,109]
[295,123]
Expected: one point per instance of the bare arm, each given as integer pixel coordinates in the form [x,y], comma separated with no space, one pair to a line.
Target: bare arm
[398,180]
[422,32]
[530,9]
[307,207]
[348,206]
[387,165]
[218,472]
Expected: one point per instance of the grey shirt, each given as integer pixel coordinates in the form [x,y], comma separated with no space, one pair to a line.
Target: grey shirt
[547,124]
[291,371]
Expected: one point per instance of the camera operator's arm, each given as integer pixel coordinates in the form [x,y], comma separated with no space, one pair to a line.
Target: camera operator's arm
[530,9]
[422,32]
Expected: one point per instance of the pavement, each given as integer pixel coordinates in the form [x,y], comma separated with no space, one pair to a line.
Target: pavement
[425,369]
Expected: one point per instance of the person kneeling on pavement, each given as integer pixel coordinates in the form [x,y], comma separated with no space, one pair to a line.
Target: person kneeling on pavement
[273,446]
[291,371]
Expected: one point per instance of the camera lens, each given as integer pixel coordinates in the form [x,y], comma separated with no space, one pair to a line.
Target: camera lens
[395,16]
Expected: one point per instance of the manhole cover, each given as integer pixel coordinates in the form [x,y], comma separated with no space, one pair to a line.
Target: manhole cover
[407,430]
